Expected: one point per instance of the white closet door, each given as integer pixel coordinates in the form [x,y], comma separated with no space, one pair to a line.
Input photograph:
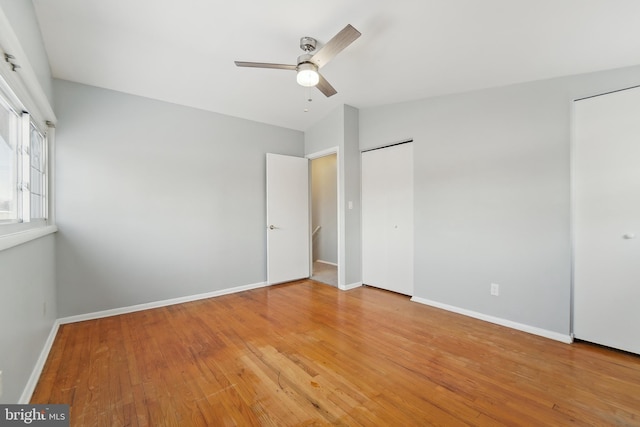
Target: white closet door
[606,220]
[387,218]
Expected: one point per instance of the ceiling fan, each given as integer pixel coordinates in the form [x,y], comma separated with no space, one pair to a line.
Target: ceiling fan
[308,64]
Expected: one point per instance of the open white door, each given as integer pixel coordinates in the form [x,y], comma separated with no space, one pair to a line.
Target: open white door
[287,218]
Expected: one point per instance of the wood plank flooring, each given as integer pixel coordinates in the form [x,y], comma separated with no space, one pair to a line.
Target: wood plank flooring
[304,354]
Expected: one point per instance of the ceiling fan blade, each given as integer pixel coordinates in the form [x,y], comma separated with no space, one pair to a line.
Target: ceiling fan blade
[325,87]
[265,65]
[336,45]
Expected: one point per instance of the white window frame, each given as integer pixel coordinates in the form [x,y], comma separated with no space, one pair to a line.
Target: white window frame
[13,135]
[22,88]
[24,125]
[42,171]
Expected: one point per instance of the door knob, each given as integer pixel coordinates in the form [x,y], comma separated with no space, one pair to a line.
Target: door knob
[629,236]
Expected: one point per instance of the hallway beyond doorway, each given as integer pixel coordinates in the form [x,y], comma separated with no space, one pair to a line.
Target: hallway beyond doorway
[325,273]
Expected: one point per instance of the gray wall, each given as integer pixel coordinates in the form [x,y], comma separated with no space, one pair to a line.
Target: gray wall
[341,129]
[324,208]
[27,271]
[155,200]
[27,310]
[492,196]
[353,227]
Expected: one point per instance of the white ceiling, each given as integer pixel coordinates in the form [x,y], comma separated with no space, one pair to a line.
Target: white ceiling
[182,51]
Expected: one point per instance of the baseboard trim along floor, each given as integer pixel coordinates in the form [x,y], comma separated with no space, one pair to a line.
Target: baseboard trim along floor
[156,304]
[498,321]
[350,286]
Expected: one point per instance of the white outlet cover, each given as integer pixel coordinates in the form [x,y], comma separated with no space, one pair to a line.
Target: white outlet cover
[495,289]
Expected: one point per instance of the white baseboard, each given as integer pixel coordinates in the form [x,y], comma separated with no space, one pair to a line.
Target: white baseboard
[44,354]
[157,304]
[37,370]
[326,262]
[350,286]
[497,320]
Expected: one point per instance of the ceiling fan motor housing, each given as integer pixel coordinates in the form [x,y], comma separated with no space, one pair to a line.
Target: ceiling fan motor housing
[305,59]
[308,44]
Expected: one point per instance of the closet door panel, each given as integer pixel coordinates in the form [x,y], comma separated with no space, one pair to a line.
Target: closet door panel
[387,206]
[606,219]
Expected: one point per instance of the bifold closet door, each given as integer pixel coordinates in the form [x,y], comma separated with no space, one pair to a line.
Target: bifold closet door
[606,219]
[387,218]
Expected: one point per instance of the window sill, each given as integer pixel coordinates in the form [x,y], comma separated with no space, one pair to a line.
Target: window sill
[14,239]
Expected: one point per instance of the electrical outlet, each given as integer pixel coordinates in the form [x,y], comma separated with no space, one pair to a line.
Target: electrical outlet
[495,289]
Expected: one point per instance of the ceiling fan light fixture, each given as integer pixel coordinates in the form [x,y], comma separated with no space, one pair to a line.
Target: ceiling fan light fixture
[308,63]
[307,74]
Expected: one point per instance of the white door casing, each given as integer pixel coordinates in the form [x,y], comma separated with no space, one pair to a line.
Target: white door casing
[287,218]
[606,219]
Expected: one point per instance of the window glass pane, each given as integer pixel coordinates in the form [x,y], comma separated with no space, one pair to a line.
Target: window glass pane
[38,171]
[8,163]
[36,207]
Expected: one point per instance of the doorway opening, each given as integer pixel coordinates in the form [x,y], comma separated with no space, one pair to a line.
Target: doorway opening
[324,219]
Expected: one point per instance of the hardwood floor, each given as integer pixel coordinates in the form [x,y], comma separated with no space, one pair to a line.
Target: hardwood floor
[305,354]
